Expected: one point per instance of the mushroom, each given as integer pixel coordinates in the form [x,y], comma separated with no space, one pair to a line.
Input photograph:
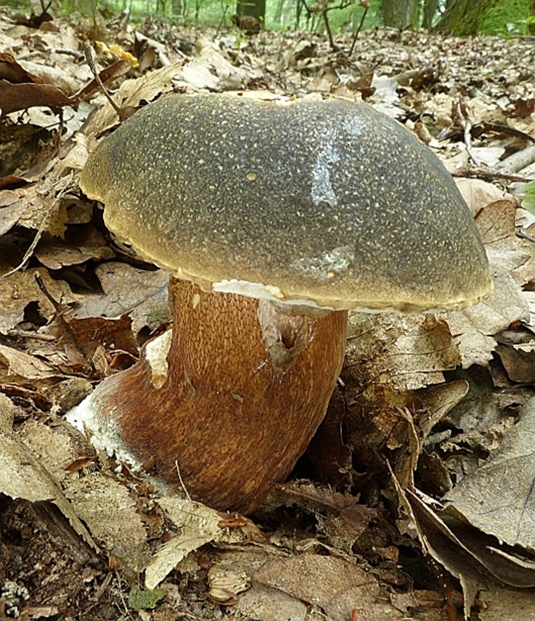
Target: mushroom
[274,219]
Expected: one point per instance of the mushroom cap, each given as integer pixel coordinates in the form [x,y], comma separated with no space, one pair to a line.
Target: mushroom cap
[315,203]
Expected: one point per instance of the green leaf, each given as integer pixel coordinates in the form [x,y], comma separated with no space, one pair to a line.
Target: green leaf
[139,599]
[528,202]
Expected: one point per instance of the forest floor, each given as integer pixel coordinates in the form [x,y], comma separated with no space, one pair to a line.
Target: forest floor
[429,513]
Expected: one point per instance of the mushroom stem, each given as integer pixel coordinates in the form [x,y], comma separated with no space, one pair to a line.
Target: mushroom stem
[233,397]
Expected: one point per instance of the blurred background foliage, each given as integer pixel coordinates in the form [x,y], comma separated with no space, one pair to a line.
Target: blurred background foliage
[457,17]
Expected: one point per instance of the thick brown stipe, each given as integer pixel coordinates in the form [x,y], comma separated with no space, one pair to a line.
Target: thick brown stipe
[232,422]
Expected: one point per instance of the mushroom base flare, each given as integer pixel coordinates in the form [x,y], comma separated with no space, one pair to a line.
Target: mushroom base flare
[226,403]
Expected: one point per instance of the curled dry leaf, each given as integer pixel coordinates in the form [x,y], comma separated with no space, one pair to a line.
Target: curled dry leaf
[442,545]
[225,584]
[198,525]
[473,328]
[15,97]
[16,366]
[472,557]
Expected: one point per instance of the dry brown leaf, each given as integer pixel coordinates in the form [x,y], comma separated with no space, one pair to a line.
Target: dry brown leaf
[142,294]
[473,328]
[52,449]
[16,366]
[438,401]
[334,585]
[444,547]
[498,497]
[14,72]
[500,603]
[403,352]
[20,289]
[23,476]
[478,194]
[109,511]
[15,97]
[198,525]
[55,255]
[340,517]
[263,603]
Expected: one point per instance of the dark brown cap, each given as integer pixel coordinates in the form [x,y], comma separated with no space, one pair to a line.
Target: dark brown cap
[309,202]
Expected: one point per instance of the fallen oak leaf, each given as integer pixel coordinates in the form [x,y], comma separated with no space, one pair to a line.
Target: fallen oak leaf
[15,97]
[498,498]
[11,71]
[116,70]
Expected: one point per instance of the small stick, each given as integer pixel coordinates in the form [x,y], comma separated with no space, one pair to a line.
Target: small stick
[182,482]
[88,52]
[467,126]
[518,161]
[523,235]
[483,172]
[366,5]
[28,254]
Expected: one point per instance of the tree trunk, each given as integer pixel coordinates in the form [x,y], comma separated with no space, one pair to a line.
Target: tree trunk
[177,7]
[277,18]
[400,13]
[430,10]
[255,8]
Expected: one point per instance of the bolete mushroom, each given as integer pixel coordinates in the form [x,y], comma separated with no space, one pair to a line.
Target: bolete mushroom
[274,219]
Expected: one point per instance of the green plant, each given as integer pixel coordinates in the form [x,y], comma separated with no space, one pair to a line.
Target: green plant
[528,202]
[139,599]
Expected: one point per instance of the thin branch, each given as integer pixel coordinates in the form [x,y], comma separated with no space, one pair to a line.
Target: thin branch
[518,161]
[484,172]
[28,254]
[467,127]
[366,8]
[88,52]
[182,482]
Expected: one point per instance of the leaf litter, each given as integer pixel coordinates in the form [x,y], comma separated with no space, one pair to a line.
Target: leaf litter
[426,443]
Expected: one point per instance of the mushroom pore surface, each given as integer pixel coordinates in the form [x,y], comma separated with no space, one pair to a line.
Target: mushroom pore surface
[321,203]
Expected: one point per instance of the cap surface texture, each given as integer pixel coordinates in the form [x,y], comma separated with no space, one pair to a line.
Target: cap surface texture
[326,203]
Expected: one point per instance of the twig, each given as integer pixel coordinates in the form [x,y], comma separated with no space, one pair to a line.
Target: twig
[70,343]
[467,127]
[505,129]
[103,587]
[27,334]
[334,47]
[366,5]
[523,235]
[181,481]
[120,591]
[483,172]
[72,53]
[28,254]
[221,21]
[41,284]
[45,8]
[88,52]
[518,161]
